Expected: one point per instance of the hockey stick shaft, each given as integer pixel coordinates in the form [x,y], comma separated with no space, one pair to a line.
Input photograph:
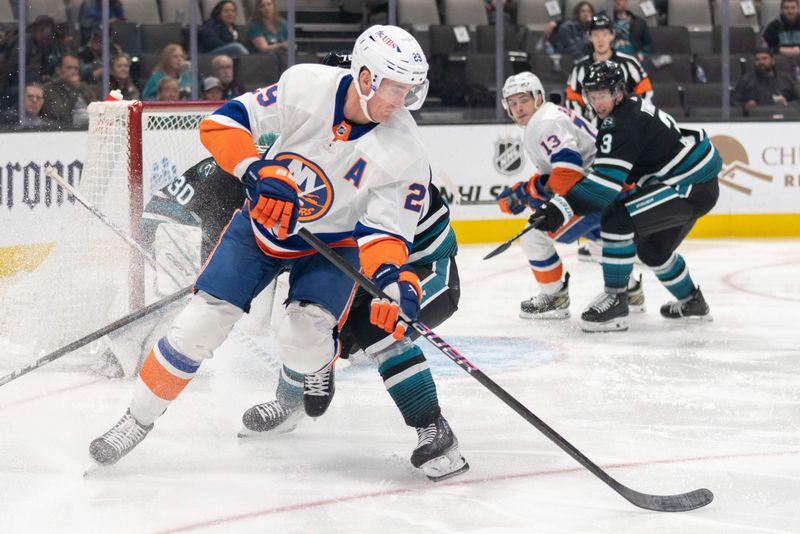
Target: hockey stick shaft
[505,246]
[94,336]
[663,503]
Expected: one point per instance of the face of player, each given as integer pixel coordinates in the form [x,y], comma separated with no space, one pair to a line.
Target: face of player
[522,106]
[601,40]
[789,10]
[389,97]
[603,102]
[620,5]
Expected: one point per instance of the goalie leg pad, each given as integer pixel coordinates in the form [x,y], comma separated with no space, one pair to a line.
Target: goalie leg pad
[307,338]
[202,326]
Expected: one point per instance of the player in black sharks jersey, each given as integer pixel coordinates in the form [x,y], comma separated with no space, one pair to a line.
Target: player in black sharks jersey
[675,169]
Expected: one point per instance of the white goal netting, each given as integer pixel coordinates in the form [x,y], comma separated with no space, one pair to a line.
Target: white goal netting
[90,276]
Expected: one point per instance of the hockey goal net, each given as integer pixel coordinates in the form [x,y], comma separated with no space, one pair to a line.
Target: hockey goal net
[91,277]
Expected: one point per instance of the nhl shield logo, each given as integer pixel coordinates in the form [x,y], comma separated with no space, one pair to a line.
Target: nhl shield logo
[508,155]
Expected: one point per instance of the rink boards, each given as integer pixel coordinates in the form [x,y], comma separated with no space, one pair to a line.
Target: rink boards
[759,183]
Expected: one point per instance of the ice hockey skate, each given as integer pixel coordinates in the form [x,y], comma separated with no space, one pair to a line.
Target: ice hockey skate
[270,419]
[692,307]
[119,441]
[544,306]
[608,312]
[437,451]
[636,296]
[318,390]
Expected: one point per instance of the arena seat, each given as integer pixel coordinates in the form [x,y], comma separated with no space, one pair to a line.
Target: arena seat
[693,14]
[419,14]
[465,12]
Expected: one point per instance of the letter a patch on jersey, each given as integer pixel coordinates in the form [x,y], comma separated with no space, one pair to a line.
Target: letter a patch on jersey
[356,172]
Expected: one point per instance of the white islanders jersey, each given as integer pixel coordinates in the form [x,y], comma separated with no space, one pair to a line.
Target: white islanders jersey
[358,183]
[560,141]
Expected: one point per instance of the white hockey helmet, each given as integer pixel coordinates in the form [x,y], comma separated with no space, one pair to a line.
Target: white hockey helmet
[524,82]
[393,53]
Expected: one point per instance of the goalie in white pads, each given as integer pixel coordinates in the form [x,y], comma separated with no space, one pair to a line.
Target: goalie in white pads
[349,166]
[562,146]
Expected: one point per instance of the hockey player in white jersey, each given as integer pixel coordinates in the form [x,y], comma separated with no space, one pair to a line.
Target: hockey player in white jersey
[562,146]
[350,167]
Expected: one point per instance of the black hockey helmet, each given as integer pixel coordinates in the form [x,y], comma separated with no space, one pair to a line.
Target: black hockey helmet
[338,59]
[601,22]
[604,75]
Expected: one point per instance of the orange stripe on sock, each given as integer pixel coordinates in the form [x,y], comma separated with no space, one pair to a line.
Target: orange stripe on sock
[548,277]
[161,382]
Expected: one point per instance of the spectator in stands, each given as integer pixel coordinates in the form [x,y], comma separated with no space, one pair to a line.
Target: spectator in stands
[631,34]
[601,35]
[172,63]
[267,31]
[782,34]
[168,89]
[90,15]
[67,98]
[766,86]
[219,35]
[91,56]
[64,39]
[571,36]
[212,88]
[34,100]
[41,56]
[222,67]
[120,77]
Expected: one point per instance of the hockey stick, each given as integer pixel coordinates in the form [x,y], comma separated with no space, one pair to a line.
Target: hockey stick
[502,248]
[660,503]
[51,172]
[116,325]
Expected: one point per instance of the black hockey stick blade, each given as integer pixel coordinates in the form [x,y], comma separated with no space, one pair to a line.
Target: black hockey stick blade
[682,502]
[505,246]
[116,325]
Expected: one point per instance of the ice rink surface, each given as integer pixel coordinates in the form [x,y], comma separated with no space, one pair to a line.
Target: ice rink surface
[664,408]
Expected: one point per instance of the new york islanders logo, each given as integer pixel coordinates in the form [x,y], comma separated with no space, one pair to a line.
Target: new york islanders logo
[316,192]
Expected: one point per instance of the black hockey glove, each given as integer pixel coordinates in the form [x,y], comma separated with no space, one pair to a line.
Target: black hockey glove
[551,215]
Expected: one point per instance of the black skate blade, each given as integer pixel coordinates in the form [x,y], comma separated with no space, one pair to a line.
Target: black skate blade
[463,469]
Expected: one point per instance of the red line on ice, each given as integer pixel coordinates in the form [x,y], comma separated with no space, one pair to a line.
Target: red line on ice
[431,486]
[728,280]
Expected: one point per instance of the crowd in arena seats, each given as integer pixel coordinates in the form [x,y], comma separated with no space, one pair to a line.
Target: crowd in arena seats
[143,55]
[243,45]
[683,60]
